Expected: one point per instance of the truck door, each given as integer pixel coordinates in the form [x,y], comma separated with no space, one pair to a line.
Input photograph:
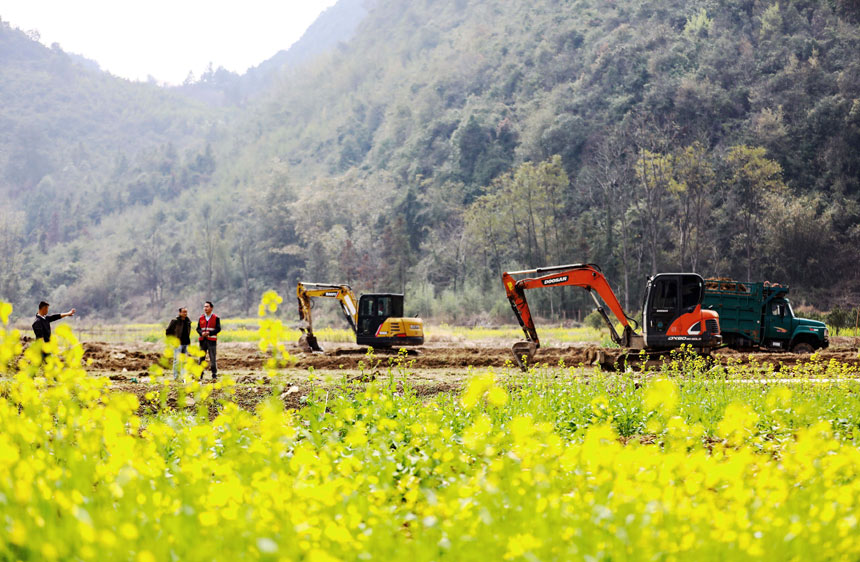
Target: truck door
[779,324]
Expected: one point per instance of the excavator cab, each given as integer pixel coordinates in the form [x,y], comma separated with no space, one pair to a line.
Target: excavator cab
[381,322]
[672,313]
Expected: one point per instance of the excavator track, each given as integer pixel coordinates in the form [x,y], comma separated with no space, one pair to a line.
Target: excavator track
[608,359]
[386,351]
[497,355]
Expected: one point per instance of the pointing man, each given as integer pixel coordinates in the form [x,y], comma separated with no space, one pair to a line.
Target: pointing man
[42,325]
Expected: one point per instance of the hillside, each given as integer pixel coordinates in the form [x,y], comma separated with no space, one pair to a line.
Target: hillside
[222,87]
[57,110]
[78,146]
[712,136]
[447,141]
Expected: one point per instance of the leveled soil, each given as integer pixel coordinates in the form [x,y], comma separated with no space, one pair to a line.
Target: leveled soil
[243,357]
[439,367]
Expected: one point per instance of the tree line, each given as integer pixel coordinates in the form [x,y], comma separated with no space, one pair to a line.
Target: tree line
[449,141]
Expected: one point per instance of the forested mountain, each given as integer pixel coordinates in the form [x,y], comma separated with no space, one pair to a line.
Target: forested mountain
[78,146]
[449,140]
[222,87]
[61,117]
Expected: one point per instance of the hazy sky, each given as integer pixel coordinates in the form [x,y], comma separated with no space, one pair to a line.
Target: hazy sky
[166,39]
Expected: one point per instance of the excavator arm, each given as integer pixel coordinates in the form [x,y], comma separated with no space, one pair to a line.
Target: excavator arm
[307,291]
[587,276]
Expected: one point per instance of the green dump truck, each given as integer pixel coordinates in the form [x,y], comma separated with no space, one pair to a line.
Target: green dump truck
[759,316]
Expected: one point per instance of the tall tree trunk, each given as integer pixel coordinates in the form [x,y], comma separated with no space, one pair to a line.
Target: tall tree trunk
[625,267]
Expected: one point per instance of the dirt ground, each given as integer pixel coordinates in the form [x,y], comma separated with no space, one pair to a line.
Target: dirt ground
[429,371]
[434,368]
[128,359]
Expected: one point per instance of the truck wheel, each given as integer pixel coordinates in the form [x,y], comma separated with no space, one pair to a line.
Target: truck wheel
[802,347]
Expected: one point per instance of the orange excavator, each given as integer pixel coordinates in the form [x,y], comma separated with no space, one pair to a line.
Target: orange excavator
[672,313]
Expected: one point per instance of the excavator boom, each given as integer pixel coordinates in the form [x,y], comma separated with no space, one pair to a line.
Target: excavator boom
[587,276]
[306,291]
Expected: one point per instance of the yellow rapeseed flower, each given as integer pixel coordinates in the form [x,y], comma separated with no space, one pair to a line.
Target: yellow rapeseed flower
[661,396]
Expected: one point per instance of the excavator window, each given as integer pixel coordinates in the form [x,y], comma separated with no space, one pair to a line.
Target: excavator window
[375,308]
[691,293]
[383,307]
[366,308]
[665,295]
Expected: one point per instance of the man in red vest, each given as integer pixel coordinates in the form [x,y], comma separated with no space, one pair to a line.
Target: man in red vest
[208,327]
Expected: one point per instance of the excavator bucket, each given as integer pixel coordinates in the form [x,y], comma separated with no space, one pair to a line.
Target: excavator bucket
[523,352]
[309,343]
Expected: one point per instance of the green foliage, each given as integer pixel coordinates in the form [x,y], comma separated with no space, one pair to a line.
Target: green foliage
[444,143]
[771,21]
[841,318]
[520,217]
[698,25]
[752,177]
[595,320]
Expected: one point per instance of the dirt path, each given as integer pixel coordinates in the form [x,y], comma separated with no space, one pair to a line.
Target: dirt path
[436,368]
[246,357]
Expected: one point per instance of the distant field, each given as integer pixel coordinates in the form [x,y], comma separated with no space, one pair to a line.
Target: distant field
[548,334]
[232,330]
[245,330]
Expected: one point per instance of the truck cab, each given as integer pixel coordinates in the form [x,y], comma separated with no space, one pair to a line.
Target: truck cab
[783,330]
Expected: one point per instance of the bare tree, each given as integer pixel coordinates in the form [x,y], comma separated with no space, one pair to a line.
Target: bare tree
[653,139]
[610,177]
[654,172]
[695,182]
[11,229]
[207,232]
[149,264]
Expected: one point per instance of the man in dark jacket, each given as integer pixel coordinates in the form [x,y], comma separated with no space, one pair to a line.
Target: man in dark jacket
[208,327]
[42,325]
[180,328]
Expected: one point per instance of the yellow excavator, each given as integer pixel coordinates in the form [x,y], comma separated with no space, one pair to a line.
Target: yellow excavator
[377,318]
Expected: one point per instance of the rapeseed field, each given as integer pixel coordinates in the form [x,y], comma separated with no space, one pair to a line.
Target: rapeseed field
[687,462]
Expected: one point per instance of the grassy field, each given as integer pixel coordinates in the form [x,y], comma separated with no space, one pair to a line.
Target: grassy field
[690,465]
[247,330]
[687,462]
